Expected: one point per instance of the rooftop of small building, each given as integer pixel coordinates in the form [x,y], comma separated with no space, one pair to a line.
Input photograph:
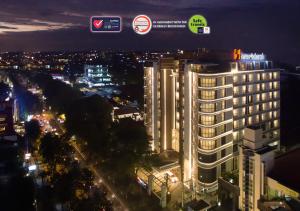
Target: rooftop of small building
[287,169]
[126,110]
[266,149]
[198,205]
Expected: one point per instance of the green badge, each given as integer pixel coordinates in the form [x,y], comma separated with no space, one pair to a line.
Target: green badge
[196,22]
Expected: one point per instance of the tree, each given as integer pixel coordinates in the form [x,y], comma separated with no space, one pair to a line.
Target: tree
[55,151]
[129,147]
[96,201]
[59,95]
[90,119]
[32,131]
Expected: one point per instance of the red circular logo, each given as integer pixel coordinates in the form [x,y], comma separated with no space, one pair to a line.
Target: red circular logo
[142,24]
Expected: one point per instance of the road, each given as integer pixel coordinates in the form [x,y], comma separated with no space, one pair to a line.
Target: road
[118,203]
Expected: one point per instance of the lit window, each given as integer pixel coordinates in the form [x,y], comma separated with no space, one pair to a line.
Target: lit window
[244,89]
[235,112]
[207,82]
[235,78]
[207,95]
[208,145]
[250,77]
[207,132]
[257,87]
[235,101]
[235,124]
[207,120]
[207,107]
[244,100]
[236,90]
[250,120]
[244,78]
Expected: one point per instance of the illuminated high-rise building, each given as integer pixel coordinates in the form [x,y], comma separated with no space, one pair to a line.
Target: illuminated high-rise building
[202,110]
[97,75]
[161,104]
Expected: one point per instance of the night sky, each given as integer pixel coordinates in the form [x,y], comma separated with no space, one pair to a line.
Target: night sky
[269,26]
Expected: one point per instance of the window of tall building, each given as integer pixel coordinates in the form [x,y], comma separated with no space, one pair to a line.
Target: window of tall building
[235,124]
[207,144]
[222,93]
[235,79]
[257,87]
[235,112]
[243,111]
[250,88]
[257,97]
[207,82]
[263,117]
[256,118]
[235,136]
[270,76]
[263,76]
[235,101]
[207,120]
[270,105]
[250,77]
[207,132]
[263,86]
[250,99]
[250,120]
[244,88]
[276,123]
[236,90]
[270,115]
[223,153]
[264,106]
[250,109]
[263,96]
[244,100]
[207,94]
[223,140]
[258,76]
[275,75]
[244,78]
[275,85]
[275,94]
[207,107]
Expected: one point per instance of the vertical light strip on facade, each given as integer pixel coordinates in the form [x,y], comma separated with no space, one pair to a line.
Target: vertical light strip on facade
[190,125]
[152,105]
[165,109]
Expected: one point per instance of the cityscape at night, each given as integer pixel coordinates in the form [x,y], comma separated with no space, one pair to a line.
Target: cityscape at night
[149,105]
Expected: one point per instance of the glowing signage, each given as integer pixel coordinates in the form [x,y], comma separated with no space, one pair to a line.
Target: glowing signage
[32,168]
[253,56]
[239,55]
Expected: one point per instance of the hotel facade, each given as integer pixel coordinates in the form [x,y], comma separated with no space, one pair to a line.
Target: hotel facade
[201,111]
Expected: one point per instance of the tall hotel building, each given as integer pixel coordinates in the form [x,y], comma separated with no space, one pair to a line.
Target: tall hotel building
[201,110]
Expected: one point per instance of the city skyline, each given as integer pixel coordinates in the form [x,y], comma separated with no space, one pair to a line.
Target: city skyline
[262,26]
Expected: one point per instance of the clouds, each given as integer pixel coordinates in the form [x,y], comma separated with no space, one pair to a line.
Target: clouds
[270,26]
[33,25]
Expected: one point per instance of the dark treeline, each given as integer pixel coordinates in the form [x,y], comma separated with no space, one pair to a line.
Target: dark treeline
[58,94]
